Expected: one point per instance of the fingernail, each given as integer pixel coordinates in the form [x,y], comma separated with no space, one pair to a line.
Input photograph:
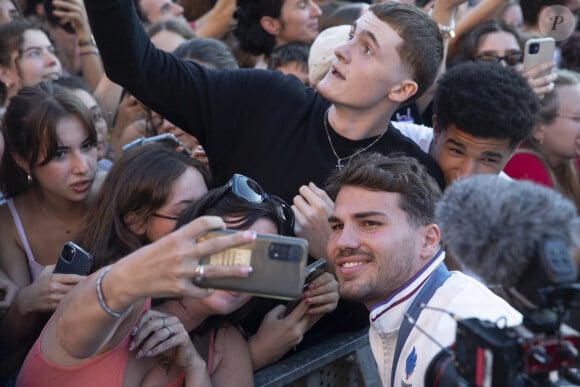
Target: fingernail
[250,234]
[139,354]
[148,354]
[308,301]
[305,295]
[134,331]
[132,346]
[247,269]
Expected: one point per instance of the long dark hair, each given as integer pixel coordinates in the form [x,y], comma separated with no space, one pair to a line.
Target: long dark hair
[139,182]
[29,129]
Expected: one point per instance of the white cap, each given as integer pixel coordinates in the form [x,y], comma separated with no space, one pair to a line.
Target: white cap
[321,53]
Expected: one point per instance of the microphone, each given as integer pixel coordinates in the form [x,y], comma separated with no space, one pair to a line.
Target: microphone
[508,232]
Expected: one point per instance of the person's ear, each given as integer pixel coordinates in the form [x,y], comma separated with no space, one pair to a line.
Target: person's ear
[539,133]
[21,162]
[431,241]
[137,226]
[403,91]
[271,25]
[436,130]
[8,76]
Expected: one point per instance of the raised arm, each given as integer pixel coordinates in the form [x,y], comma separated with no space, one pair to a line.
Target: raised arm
[94,315]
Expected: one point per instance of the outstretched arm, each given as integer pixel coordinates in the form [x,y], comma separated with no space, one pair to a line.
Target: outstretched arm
[86,325]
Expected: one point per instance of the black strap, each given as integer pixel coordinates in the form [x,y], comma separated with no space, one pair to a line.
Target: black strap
[436,279]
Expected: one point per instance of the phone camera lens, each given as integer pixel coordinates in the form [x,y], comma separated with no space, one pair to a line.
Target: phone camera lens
[534,48]
[68,252]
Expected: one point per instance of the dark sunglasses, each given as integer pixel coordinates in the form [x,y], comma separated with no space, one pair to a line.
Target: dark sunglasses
[512,58]
[166,138]
[249,190]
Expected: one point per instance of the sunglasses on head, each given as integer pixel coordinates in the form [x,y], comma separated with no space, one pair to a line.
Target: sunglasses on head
[512,58]
[249,190]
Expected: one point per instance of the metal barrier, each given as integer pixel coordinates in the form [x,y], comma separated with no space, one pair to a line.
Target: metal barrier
[343,361]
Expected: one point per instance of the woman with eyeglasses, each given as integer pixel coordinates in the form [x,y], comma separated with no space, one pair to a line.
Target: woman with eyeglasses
[243,205]
[551,156]
[107,330]
[496,41]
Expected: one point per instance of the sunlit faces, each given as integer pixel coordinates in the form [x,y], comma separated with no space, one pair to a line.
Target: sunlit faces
[367,68]
[97,115]
[156,10]
[561,138]
[70,174]
[460,154]
[225,301]
[186,190]
[372,247]
[500,44]
[37,60]
[298,21]
[8,11]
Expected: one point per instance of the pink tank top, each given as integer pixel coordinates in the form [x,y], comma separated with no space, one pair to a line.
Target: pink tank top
[107,369]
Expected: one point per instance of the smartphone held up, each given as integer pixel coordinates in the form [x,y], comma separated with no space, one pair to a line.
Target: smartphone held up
[277,265]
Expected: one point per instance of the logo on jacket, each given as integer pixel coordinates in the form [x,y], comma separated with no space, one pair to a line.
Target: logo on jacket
[410,364]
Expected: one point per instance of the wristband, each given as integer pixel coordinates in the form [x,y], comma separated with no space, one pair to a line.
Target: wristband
[100,297]
[87,42]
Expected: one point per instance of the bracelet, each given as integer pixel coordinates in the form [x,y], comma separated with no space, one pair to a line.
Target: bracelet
[87,42]
[93,52]
[100,297]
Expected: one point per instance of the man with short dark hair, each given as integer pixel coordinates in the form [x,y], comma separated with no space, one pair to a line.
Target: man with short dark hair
[386,253]
[482,111]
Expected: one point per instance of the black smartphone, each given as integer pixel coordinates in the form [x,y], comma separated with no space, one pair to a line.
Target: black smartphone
[313,271]
[73,259]
[277,265]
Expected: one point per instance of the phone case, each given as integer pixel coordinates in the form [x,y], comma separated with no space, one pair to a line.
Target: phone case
[538,51]
[73,260]
[277,262]
[313,271]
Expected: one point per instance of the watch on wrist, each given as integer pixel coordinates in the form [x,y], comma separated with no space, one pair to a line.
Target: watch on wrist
[87,42]
[447,32]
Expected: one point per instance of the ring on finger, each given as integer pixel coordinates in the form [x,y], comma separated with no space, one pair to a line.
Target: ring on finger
[199,272]
[164,319]
[171,333]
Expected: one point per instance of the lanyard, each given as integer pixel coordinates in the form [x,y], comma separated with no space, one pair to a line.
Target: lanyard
[437,279]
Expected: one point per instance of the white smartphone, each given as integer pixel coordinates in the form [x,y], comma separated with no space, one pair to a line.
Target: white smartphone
[538,51]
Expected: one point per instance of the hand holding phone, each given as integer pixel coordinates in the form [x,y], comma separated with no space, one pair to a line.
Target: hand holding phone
[539,51]
[73,260]
[313,271]
[277,265]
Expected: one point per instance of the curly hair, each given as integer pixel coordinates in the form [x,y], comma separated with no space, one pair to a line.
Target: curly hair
[486,100]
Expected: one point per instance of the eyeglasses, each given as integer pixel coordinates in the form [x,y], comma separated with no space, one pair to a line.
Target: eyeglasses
[249,190]
[174,218]
[573,118]
[512,58]
[166,138]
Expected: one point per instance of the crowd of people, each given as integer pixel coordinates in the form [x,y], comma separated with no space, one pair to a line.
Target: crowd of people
[132,128]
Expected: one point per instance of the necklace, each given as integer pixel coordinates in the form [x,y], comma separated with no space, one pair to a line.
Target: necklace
[339,160]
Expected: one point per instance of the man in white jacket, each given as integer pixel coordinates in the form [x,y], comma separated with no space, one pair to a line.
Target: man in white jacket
[386,252]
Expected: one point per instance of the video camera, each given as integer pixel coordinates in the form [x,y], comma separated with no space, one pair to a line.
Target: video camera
[487,354]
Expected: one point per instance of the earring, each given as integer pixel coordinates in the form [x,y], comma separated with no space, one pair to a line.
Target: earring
[29,178]
[7,84]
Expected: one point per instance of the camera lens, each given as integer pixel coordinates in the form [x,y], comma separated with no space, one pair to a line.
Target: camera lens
[534,48]
[68,252]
